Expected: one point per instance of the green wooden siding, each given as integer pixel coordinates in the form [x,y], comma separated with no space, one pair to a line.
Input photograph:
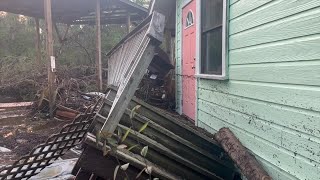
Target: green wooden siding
[272,100]
[178,57]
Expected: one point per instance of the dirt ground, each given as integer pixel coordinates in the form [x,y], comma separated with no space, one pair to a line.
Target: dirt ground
[22,134]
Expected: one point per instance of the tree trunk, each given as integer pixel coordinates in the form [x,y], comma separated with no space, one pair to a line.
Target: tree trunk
[247,163]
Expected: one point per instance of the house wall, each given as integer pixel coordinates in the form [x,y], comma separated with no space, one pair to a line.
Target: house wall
[272,100]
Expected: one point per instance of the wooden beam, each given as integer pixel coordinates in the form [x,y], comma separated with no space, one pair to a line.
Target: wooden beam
[134,159]
[50,55]
[143,58]
[98,44]
[38,50]
[128,22]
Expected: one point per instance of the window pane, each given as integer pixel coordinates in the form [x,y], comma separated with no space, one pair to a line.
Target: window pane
[212,14]
[212,52]
[189,19]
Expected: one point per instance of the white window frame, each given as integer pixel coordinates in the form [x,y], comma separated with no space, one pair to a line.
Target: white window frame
[224,74]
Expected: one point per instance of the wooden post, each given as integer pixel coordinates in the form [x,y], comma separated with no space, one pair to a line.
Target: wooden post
[38,50]
[50,55]
[128,23]
[98,45]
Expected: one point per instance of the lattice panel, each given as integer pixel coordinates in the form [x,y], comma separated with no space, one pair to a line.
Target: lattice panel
[56,146]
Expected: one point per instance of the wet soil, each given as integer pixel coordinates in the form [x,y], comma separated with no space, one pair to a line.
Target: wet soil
[22,134]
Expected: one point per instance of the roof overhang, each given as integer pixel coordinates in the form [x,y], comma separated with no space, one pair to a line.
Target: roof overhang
[78,11]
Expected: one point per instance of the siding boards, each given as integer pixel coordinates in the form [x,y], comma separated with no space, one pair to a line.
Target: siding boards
[289,95]
[240,7]
[303,73]
[295,26]
[286,161]
[273,11]
[274,171]
[298,49]
[292,118]
[272,99]
[279,136]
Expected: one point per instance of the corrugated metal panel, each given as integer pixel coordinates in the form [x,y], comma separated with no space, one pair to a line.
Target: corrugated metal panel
[272,100]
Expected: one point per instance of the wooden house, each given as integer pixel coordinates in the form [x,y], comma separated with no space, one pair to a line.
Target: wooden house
[253,66]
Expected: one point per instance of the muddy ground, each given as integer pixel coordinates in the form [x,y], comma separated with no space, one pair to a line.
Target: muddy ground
[22,134]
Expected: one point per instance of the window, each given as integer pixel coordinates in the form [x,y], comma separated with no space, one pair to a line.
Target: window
[213,39]
[189,19]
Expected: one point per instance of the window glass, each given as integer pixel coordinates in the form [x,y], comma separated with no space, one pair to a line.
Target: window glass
[212,11]
[211,37]
[189,19]
[212,52]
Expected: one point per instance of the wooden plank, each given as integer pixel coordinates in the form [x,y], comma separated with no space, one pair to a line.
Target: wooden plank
[216,162]
[134,76]
[303,24]
[299,120]
[134,160]
[233,1]
[83,175]
[50,55]
[298,49]
[240,7]
[38,46]
[286,161]
[98,45]
[16,105]
[293,141]
[303,73]
[275,10]
[128,23]
[304,97]
[92,161]
[163,156]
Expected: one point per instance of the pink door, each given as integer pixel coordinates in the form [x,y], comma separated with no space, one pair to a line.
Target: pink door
[188,59]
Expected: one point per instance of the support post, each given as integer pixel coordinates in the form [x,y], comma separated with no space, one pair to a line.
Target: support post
[128,22]
[98,45]
[38,50]
[50,55]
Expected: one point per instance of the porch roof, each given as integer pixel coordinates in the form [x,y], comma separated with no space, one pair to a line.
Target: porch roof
[78,11]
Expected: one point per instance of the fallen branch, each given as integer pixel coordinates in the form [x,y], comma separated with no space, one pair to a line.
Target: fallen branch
[247,163]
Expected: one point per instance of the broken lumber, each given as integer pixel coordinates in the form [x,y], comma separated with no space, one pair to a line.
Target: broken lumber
[16,104]
[66,114]
[134,159]
[247,163]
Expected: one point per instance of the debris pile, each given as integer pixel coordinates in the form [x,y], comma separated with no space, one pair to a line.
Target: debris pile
[155,87]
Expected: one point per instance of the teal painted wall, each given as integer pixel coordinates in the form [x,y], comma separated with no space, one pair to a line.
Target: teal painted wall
[272,100]
[178,56]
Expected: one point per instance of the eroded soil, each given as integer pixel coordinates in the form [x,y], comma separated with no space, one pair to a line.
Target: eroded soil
[22,134]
